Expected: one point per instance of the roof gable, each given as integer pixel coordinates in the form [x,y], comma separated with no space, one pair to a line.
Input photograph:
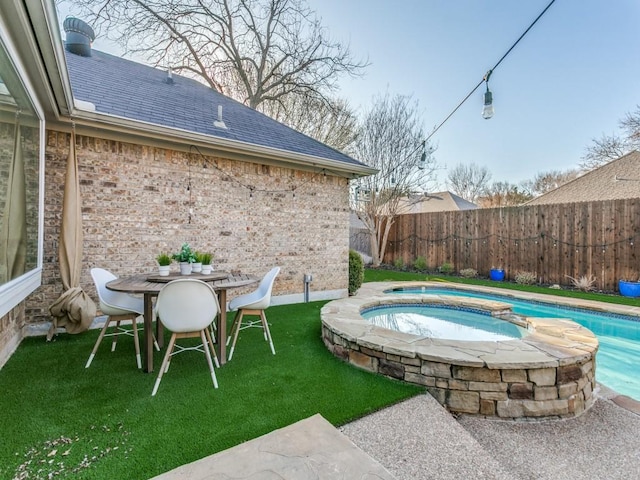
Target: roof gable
[131,90]
[616,180]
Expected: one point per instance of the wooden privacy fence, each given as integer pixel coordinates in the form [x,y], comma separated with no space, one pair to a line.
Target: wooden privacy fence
[553,241]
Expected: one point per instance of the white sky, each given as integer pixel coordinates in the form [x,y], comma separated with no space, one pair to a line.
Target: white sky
[574,75]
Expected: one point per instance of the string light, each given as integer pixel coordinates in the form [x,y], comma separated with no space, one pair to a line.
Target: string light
[487,110]
[292,189]
[516,241]
[485,79]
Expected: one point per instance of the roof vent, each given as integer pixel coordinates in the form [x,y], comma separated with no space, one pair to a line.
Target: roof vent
[169,79]
[219,122]
[79,36]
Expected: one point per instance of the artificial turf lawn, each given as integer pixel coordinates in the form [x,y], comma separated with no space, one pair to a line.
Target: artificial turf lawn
[382,275]
[103,422]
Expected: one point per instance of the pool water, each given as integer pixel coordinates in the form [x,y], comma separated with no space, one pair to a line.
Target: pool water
[618,358]
[443,322]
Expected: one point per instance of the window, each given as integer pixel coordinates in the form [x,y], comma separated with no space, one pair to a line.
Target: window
[21,151]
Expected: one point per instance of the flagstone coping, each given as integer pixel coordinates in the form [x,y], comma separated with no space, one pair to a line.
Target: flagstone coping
[548,373]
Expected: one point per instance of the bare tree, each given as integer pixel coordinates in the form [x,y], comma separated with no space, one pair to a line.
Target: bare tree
[603,150]
[256,51]
[504,194]
[468,181]
[391,140]
[610,147]
[331,122]
[544,182]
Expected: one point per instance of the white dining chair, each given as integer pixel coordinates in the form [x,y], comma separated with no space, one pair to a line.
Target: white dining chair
[253,304]
[119,307]
[187,307]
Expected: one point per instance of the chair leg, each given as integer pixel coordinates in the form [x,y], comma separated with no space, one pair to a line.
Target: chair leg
[115,336]
[237,323]
[136,342]
[207,354]
[267,332]
[233,326]
[212,348]
[212,331]
[97,344]
[165,363]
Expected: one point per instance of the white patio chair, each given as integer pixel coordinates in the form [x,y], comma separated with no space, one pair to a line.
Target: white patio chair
[254,303]
[118,307]
[187,307]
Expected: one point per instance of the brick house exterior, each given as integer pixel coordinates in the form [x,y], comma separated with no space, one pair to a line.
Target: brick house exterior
[161,163]
[136,204]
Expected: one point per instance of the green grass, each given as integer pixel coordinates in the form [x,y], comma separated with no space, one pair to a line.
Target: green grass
[382,275]
[102,423]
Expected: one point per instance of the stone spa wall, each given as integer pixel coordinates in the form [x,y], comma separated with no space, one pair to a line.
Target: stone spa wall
[550,373]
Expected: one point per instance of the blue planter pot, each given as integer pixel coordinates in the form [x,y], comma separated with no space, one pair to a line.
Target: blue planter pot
[629,289]
[496,274]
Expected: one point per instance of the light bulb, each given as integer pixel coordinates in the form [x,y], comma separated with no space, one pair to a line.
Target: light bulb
[487,111]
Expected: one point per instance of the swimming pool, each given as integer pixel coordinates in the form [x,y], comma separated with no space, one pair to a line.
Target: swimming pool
[618,358]
[444,322]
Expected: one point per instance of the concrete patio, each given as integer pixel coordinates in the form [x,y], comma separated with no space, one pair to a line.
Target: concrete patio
[418,439]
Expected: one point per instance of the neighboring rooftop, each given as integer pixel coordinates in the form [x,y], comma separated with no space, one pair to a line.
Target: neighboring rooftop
[434,202]
[616,180]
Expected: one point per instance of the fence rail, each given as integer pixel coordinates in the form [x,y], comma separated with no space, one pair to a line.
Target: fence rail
[554,241]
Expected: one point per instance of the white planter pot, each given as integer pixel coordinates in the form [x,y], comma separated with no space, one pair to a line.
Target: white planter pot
[185,268]
[196,267]
[164,270]
[207,269]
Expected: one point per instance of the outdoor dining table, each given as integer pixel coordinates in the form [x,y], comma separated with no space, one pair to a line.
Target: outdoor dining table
[149,285]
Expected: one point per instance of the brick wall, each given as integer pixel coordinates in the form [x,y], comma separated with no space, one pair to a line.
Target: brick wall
[10,332]
[136,204]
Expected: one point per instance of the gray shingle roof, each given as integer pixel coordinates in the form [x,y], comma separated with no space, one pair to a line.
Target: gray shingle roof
[128,89]
[616,180]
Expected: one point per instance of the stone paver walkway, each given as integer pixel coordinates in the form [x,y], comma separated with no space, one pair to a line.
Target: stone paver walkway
[307,450]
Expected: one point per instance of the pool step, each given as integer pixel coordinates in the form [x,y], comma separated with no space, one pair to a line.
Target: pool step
[418,439]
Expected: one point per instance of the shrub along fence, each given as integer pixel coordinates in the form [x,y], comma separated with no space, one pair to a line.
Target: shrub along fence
[553,241]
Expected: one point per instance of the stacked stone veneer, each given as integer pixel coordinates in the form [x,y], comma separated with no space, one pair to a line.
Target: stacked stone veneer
[548,373]
[251,216]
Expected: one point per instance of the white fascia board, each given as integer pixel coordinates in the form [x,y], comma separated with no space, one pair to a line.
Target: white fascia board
[224,147]
[51,47]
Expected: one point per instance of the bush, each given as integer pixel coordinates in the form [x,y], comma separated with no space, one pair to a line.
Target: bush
[446,268]
[525,278]
[356,271]
[420,264]
[468,273]
[584,283]
[398,263]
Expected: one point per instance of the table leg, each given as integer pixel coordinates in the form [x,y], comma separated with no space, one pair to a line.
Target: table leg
[148,333]
[222,327]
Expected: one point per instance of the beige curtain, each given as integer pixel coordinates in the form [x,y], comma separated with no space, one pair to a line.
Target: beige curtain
[13,236]
[74,310]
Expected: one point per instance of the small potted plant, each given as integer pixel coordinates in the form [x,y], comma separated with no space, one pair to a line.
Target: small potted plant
[205,259]
[629,288]
[164,264]
[196,266]
[496,274]
[186,256]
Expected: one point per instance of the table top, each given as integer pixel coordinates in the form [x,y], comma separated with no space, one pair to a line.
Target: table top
[142,284]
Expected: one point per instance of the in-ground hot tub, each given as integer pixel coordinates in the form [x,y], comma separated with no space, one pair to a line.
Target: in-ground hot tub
[548,373]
